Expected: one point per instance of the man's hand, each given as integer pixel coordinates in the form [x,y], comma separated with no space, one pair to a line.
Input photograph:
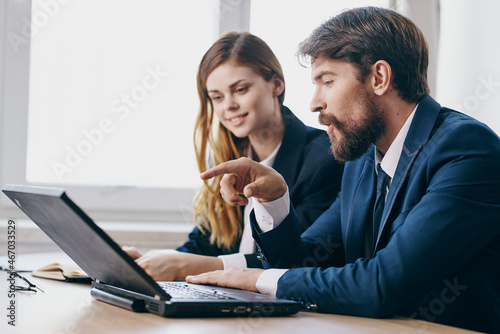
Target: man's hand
[248,178]
[167,265]
[245,279]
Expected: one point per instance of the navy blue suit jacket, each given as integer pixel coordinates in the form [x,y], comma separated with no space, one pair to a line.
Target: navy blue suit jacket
[437,255]
[311,172]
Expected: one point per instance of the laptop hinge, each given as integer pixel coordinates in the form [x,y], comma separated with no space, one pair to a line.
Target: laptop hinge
[132,304]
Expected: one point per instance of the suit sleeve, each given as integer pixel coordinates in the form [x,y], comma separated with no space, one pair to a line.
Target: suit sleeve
[284,247]
[453,221]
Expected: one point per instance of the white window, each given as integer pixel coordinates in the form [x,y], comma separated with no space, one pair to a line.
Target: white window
[100,98]
[112,97]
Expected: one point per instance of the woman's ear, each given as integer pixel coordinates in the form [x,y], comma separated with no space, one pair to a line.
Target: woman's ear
[278,85]
[381,79]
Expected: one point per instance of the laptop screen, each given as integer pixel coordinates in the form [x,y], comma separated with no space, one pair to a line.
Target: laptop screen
[79,237]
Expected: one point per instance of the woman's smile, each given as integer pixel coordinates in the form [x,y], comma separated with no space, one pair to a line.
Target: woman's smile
[237,120]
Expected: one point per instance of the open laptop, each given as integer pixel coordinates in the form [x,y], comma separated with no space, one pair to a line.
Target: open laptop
[118,280]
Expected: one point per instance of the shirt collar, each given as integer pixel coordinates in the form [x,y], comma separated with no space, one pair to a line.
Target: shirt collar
[269,161]
[389,162]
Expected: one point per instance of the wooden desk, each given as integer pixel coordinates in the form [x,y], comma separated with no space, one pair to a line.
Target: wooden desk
[69,308]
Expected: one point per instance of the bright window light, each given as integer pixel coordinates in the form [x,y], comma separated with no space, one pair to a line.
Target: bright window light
[113,92]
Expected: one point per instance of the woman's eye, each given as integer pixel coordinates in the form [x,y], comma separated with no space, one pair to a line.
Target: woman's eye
[216,98]
[241,90]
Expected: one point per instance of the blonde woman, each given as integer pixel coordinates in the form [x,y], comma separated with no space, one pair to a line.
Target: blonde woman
[241,89]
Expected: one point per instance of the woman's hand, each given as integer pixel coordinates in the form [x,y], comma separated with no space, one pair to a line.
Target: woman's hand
[166,264]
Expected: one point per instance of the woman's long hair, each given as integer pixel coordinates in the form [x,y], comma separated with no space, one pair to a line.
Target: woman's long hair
[213,143]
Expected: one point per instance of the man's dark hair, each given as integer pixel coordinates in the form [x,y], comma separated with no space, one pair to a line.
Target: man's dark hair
[363,36]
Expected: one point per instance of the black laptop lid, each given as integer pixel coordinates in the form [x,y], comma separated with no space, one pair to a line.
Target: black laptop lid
[79,237]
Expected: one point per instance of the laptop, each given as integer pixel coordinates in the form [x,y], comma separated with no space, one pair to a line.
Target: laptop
[118,280]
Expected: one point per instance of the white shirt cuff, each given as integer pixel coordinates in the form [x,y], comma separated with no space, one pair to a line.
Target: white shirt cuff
[236,260]
[267,283]
[270,214]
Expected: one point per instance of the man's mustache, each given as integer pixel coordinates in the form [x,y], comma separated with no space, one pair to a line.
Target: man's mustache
[331,119]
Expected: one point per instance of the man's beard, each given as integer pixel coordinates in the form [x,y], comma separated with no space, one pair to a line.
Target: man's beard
[356,136]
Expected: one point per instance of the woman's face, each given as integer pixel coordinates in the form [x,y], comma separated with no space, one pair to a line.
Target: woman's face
[242,100]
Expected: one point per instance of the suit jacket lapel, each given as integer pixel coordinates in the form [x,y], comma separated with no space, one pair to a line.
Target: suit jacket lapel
[418,134]
[360,210]
[289,154]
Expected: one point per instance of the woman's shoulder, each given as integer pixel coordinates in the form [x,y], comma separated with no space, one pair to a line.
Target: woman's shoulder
[313,141]
[317,139]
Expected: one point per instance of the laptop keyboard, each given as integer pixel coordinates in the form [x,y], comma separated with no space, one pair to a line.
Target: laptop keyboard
[176,290]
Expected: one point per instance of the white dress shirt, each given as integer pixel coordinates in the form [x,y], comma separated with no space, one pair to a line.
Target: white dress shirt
[268,281]
[247,244]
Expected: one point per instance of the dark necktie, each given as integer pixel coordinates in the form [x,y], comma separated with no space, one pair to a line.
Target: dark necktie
[378,209]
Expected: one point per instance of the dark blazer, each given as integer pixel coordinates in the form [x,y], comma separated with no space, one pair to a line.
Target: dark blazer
[437,256]
[311,172]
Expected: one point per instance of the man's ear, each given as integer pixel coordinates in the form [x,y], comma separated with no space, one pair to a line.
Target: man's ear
[278,85]
[381,79]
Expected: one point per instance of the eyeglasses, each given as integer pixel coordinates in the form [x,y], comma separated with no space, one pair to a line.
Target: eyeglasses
[31,286]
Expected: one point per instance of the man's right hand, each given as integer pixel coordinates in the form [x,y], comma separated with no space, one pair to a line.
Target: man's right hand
[244,178]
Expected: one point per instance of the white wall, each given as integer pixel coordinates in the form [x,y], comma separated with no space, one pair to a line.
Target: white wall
[468,76]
